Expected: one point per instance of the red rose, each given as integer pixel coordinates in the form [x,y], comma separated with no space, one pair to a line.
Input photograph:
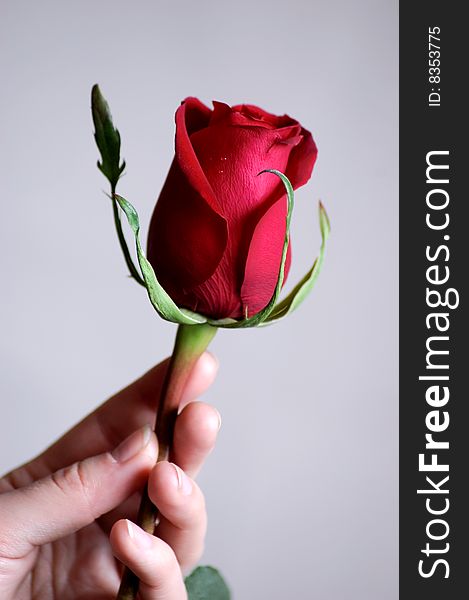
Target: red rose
[216,235]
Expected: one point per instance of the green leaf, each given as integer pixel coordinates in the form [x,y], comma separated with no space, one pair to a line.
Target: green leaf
[261,316]
[206,583]
[303,288]
[107,138]
[162,302]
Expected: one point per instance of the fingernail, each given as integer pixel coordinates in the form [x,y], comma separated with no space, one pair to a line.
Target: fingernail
[137,536]
[219,419]
[183,482]
[215,361]
[132,445]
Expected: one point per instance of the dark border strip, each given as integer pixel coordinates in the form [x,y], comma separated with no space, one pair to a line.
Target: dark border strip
[434,269]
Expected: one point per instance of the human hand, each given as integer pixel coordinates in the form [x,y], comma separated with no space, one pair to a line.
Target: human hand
[59,511]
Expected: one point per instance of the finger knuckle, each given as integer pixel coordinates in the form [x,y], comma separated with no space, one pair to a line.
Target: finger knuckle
[166,558]
[196,510]
[73,481]
[193,556]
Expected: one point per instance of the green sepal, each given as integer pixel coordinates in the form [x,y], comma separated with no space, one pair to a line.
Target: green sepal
[303,288]
[261,316]
[206,583]
[107,138]
[160,299]
[108,141]
[123,243]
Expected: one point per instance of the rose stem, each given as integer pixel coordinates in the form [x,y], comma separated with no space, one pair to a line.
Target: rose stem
[191,341]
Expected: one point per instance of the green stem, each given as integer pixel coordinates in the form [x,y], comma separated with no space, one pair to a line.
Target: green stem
[191,341]
[122,241]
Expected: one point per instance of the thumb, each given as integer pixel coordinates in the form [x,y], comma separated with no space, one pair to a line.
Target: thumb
[74,497]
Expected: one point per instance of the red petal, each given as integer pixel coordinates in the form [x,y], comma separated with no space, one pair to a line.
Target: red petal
[264,256]
[231,158]
[188,235]
[191,117]
[262,118]
[302,159]
[196,114]
[186,239]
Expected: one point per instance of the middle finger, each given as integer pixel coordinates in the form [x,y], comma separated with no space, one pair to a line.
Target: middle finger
[194,437]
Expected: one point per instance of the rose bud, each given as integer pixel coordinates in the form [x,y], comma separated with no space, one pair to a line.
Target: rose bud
[217,232]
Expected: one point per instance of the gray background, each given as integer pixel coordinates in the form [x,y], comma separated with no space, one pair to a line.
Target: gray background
[302,488]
